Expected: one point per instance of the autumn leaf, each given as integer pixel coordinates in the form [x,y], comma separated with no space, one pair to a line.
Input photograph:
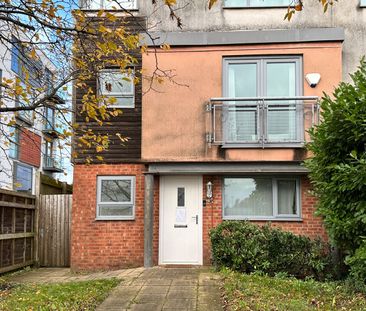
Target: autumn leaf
[211,3]
[170,2]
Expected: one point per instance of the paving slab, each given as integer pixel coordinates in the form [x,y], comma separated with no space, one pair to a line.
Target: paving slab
[142,289]
[170,289]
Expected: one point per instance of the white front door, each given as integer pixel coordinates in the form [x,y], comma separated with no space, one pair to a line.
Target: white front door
[180,222]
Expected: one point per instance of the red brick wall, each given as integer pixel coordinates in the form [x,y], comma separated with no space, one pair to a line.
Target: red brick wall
[29,147]
[310,225]
[97,245]
[105,244]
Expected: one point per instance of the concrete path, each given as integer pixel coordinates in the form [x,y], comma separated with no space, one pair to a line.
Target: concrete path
[57,275]
[144,289]
[167,289]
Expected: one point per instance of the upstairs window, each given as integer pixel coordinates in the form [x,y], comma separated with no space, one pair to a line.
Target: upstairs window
[109,4]
[14,143]
[23,101]
[49,119]
[114,83]
[256,3]
[278,121]
[23,66]
[15,57]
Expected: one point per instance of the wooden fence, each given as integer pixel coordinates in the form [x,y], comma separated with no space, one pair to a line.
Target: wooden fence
[54,229]
[17,235]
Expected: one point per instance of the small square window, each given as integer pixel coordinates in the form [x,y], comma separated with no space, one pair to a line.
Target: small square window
[23,177]
[115,197]
[363,3]
[114,83]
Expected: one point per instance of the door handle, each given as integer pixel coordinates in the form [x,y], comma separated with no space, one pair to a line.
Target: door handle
[196,219]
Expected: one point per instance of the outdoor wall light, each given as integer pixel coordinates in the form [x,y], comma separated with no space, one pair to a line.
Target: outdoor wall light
[209,190]
[313,79]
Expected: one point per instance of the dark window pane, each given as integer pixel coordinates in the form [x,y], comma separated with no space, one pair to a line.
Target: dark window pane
[181,197]
[116,191]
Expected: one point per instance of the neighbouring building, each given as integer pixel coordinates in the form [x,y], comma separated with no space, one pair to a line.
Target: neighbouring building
[31,144]
[224,141]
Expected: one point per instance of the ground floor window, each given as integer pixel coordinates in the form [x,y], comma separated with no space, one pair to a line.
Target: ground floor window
[115,197]
[261,198]
[23,177]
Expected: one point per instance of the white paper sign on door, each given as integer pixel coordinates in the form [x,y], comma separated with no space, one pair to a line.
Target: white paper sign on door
[180,216]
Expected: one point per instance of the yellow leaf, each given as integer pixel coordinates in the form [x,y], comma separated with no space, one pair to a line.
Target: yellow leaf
[211,4]
[170,2]
[165,46]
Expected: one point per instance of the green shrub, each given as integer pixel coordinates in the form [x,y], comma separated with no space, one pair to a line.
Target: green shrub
[246,247]
[357,263]
[338,168]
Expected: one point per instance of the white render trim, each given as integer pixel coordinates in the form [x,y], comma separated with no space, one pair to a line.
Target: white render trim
[227,168]
[245,37]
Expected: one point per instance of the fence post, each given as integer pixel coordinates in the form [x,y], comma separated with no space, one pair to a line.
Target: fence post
[36,218]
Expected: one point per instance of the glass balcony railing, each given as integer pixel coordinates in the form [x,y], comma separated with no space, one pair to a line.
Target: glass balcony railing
[52,163]
[261,122]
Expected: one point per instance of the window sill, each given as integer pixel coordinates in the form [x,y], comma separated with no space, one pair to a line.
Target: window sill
[254,7]
[269,219]
[112,10]
[120,107]
[264,146]
[115,218]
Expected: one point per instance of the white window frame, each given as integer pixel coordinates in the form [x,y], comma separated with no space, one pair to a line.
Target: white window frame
[247,4]
[117,94]
[276,216]
[130,203]
[101,4]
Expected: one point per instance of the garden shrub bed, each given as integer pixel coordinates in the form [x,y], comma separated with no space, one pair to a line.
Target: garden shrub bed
[246,247]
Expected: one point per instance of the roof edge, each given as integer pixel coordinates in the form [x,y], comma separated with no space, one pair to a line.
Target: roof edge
[244,37]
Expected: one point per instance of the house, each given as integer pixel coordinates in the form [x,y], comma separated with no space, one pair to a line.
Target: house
[226,140]
[30,144]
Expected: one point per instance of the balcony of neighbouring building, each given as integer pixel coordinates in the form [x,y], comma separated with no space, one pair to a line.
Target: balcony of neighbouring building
[108,4]
[52,164]
[261,122]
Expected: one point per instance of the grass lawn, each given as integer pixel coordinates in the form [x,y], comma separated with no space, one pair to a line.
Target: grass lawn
[255,292]
[60,296]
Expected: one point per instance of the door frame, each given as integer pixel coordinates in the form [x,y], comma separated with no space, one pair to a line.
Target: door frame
[162,181]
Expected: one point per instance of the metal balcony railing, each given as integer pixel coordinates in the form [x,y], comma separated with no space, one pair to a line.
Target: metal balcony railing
[52,163]
[261,121]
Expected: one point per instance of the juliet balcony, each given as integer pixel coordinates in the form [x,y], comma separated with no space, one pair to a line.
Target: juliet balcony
[261,122]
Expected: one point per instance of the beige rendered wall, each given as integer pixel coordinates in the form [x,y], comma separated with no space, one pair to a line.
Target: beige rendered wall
[174,116]
[196,16]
